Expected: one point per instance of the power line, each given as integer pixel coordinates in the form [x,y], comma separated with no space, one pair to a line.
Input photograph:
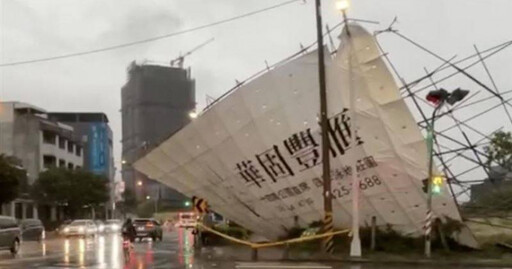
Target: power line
[152,39]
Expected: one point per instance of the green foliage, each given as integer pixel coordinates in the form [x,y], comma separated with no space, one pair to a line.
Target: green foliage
[237,232]
[13,179]
[496,200]
[500,150]
[77,189]
[294,232]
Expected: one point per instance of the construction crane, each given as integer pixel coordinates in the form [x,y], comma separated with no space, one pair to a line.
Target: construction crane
[178,62]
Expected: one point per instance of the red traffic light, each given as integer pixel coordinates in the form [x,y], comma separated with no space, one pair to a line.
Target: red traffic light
[437,96]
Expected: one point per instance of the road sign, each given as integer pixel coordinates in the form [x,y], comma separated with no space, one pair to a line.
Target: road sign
[200,205]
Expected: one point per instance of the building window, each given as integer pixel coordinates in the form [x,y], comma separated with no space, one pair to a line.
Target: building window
[70,147]
[62,163]
[70,166]
[78,150]
[62,142]
[49,161]
[49,137]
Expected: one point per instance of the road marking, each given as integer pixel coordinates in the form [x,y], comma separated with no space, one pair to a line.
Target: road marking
[283,266]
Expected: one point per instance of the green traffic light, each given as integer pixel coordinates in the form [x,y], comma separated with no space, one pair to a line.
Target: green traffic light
[436,189]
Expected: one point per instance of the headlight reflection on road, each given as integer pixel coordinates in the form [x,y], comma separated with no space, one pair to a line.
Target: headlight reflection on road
[81,253]
[180,246]
[66,251]
[115,251]
[189,259]
[100,251]
[43,248]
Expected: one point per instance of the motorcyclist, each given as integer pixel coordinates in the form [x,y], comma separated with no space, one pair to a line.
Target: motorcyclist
[128,230]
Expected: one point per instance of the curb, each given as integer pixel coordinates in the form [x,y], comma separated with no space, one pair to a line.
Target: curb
[436,261]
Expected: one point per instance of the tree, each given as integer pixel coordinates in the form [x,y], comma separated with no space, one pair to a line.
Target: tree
[77,189]
[12,178]
[499,150]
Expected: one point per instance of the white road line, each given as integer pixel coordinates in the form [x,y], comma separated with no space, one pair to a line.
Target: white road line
[282,266]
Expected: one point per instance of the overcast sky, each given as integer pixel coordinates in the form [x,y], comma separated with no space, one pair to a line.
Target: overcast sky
[41,28]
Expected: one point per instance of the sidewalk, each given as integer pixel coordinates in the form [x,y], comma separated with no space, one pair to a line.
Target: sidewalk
[244,254]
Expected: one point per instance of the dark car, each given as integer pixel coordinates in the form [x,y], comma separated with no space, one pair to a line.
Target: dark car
[32,230]
[149,228]
[10,234]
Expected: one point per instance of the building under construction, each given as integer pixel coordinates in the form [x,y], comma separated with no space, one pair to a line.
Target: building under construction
[156,102]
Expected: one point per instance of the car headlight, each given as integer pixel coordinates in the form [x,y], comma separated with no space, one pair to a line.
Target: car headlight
[66,229]
[115,227]
[81,229]
[101,227]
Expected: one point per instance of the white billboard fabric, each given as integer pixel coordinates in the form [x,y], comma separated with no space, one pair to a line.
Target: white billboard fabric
[255,156]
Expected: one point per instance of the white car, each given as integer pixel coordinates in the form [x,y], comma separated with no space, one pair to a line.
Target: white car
[100,226]
[83,227]
[113,225]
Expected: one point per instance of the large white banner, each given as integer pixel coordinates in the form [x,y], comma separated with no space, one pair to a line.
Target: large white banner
[255,156]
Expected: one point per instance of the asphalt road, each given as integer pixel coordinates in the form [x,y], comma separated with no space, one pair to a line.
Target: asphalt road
[175,251]
[104,251]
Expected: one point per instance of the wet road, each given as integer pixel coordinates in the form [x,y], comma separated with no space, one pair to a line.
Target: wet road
[104,251]
[175,251]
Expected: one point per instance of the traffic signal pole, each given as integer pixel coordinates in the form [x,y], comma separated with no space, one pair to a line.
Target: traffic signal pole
[430,145]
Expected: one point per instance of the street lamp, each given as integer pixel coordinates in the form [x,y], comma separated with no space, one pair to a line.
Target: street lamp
[123,161]
[193,114]
[437,98]
[139,183]
[148,197]
[342,5]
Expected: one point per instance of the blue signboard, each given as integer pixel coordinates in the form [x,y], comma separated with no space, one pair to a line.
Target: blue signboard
[98,148]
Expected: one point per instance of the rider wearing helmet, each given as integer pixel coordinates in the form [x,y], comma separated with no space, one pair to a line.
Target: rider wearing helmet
[128,230]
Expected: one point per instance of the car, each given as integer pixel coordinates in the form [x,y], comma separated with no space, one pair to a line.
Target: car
[100,226]
[187,220]
[32,230]
[113,225]
[83,227]
[148,228]
[63,225]
[10,234]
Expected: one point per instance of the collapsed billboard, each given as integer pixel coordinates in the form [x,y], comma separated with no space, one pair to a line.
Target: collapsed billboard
[255,156]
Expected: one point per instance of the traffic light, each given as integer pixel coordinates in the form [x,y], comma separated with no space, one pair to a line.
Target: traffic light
[456,96]
[437,183]
[437,96]
[425,185]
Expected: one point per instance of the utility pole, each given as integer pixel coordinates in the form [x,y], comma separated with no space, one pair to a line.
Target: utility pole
[326,165]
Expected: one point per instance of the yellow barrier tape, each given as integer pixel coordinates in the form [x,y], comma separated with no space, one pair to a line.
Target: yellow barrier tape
[300,239]
[272,244]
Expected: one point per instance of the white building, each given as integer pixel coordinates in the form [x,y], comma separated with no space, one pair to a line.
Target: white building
[27,134]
